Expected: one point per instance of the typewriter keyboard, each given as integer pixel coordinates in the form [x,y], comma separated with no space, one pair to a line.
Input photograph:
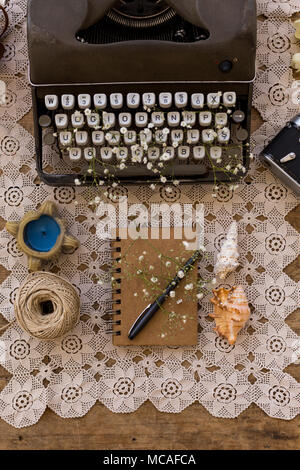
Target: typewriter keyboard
[142,136]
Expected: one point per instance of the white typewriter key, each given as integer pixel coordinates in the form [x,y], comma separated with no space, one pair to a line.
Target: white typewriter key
[153,153]
[65,138]
[93,120]
[84,101]
[137,154]
[141,119]
[183,152]
[51,102]
[75,154]
[109,120]
[213,100]
[133,100]
[169,153]
[81,137]
[122,153]
[224,135]
[189,117]
[199,153]
[113,137]
[100,101]
[125,119]
[165,100]
[106,154]
[158,118]
[61,121]
[68,101]
[98,137]
[229,98]
[208,136]
[205,118]
[197,100]
[130,138]
[174,119]
[161,137]
[149,99]
[146,136]
[116,100]
[77,120]
[221,119]
[89,153]
[177,136]
[193,136]
[215,153]
[181,99]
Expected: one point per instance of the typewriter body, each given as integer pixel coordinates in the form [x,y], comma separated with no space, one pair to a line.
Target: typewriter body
[137,81]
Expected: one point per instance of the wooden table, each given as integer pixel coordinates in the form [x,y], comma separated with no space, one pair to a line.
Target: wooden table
[147,428]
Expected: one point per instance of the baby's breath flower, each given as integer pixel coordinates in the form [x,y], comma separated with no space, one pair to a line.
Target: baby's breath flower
[189,286]
[163,179]
[123,130]
[180,274]
[97,200]
[151,267]
[77,182]
[175,144]
[122,166]
[176,182]
[172,293]
[199,296]
[141,258]
[166,131]
[168,264]
[179,301]
[106,171]
[149,166]
[152,186]
[154,279]
[135,294]
[87,112]
[214,281]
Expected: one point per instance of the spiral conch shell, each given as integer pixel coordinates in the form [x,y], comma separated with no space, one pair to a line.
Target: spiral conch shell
[227,260]
[231,311]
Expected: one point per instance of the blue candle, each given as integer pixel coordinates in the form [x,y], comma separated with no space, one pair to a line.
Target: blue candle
[41,234]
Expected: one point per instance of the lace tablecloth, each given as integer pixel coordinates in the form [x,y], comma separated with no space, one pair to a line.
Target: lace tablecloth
[71,374]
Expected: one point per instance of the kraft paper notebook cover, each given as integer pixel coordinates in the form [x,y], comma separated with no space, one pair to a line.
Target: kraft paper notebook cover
[161,330]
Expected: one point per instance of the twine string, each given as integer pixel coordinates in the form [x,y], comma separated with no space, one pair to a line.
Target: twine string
[46,306]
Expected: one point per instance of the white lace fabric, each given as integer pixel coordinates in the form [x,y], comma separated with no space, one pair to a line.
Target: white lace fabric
[71,374]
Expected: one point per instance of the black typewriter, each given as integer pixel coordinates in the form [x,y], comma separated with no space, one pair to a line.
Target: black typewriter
[141,90]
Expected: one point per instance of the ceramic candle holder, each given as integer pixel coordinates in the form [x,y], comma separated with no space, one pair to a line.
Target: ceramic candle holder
[41,235]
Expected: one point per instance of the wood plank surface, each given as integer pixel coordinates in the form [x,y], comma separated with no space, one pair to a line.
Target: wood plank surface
[147,428]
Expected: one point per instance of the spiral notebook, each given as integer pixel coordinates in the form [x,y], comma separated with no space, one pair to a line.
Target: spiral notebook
[176,323]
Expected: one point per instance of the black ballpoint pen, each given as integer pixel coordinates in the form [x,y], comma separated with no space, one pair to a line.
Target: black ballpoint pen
[151,309]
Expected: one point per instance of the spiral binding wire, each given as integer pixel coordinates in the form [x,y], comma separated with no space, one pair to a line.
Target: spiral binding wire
[111,321]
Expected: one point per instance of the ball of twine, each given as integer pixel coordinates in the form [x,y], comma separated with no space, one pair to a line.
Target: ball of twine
[47,306]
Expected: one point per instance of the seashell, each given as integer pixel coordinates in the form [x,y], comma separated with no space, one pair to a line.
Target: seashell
[296,25]
[228,256]
[296,61]
[288,157]
[231,311]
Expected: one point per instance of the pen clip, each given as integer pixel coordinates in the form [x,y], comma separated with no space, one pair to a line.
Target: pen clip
[139,317]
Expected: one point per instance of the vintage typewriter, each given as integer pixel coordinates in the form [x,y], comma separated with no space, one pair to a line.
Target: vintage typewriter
[125,87]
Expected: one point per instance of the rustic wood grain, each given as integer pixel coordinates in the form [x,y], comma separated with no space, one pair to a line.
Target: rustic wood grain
[147,428]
